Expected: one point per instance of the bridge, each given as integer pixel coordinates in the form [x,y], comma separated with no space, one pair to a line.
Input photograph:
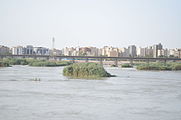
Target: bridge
[100,58]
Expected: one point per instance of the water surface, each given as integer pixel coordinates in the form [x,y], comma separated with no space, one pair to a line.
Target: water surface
[132,95]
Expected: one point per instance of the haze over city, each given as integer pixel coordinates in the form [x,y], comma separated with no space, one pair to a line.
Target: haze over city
[96,23]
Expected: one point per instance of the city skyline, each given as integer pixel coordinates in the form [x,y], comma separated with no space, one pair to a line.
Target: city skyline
[156,50]
[78,45]
[90,23]
[87,46]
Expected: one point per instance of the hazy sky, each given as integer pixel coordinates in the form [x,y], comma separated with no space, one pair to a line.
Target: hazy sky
[97,23]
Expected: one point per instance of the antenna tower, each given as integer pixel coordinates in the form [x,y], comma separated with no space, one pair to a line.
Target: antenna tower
[53,43]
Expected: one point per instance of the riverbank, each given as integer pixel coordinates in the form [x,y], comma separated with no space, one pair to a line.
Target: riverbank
[4,64]
[32,62]
[159,66]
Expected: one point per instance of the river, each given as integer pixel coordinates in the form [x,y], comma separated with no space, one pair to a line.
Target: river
[132,95]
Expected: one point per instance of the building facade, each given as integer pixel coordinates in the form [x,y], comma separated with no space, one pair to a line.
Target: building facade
[156,48]
[132,50]
[18,50]
[41,51]
[4,50]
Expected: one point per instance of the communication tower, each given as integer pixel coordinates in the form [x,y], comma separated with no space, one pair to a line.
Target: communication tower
[53,43]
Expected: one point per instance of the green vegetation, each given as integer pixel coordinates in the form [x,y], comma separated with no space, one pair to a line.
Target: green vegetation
[42,63]
[176,67]
[160,66]
[126,66]
[4,64]
[13,61]
[32,62]
[86,70]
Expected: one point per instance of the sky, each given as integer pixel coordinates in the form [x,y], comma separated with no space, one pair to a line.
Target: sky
[98,23]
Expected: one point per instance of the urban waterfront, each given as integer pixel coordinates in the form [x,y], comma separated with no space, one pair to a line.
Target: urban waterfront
[44,93]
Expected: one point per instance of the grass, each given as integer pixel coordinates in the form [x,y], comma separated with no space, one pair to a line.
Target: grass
[86,70]
[13,61]
[160,66]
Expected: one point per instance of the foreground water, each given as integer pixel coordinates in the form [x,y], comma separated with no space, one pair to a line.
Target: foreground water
[132,95]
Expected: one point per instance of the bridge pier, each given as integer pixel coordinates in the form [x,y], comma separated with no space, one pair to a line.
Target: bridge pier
[165,62]
[1,57]
[131,61]
[148,62]
[101,62]
[59,59]
[47,58]
[53,58]
[116,62]
[73,60]
[87,60]
[34,57]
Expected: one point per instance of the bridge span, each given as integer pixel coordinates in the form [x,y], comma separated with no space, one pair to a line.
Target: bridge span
[87,58]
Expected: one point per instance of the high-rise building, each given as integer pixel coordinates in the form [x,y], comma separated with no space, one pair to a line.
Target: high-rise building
[41,51]
[177,53]
[68,51]
[113,53]
[155,51]
[141,52]
[123,52]
[29,50]
[110,51]
[55,52]
[4,50]
[106,50]
[132,50]
[156,48]
[160,46]
[18,50]
[149,51]
[94,51]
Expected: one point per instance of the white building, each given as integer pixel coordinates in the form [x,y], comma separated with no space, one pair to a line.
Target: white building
[149,51]
[113,53]
[174,52]
[68,51]
[123,52]
[132,50]
[141,52]
[156,48]
[18,50]
[55,52]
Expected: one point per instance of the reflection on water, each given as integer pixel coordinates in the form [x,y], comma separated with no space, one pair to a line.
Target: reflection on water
[132,95]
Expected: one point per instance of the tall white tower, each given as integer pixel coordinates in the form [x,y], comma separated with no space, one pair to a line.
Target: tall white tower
[53,43]
[53,47]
